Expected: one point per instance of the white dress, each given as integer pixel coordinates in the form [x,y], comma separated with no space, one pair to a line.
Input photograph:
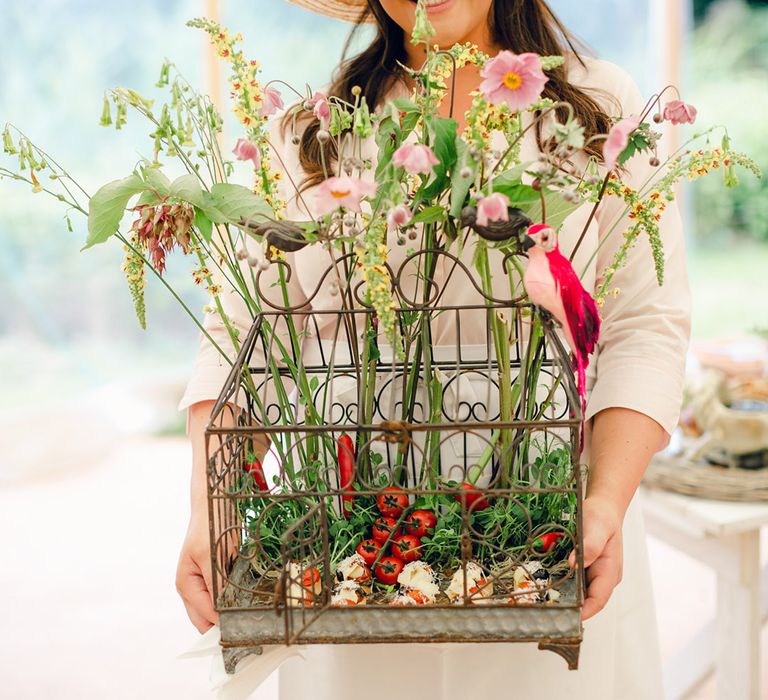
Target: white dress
[619,657]
[639,365]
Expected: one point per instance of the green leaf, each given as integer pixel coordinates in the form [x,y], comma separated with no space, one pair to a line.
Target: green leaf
[106,208]
[429,215]
[156,180]
[639,142]
[528,200]
[408,121]
[444,147]
[522,196]
[519,195]
[557,209]
[203,224]
[460,185]
[510,184]
[228,203]
[148,197]
[407,113]
[188,189]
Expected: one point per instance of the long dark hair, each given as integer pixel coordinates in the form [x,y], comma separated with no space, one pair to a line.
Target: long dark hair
[517,25]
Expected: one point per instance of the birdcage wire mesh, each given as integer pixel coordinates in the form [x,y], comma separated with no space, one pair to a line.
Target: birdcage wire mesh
[488,441]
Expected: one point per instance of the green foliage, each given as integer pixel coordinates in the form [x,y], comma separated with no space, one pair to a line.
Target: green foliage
[557,208]
[460,185]
[106,208]
[228,203]
[225,203]
[729,78]
[640,141]
[443,139]
[430,215]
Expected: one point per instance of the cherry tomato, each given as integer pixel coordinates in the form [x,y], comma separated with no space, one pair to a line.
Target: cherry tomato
[382,527]
[388,569]
[420,523]
[474,497]
[406,547]
[392,502]
[369,550]
[545,542]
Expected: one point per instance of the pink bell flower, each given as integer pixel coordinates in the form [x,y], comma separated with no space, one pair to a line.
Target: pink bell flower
[273,101]
[247,150]
[514,80]
[344,191]
[494,207]
[415,158]
[398,217]
[618,140]
[321,109]
[679,112]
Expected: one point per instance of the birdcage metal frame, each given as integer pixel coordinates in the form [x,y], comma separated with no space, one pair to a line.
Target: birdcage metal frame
[255,595]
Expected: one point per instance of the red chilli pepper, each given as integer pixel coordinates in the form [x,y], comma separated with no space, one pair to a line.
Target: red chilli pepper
[254,468]
[346,457]
[545,542]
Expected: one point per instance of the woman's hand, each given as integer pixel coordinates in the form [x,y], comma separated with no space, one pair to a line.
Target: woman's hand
[193,575]
[193,572]
[603,553]
[623,442]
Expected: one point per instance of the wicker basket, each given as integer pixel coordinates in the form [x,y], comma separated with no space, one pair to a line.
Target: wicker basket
[706,481]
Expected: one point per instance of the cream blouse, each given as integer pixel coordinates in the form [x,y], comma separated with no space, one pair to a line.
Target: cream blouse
[639,363]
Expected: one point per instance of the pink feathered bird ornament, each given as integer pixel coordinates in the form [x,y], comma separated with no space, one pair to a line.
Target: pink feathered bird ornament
[552,283]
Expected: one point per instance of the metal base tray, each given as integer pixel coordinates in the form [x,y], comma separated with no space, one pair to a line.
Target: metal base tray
[556,627]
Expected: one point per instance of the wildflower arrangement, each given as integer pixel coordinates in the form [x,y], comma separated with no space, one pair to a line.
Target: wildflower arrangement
[440,191]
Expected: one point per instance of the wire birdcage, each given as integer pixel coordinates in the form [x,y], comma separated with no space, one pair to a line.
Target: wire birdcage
[488,444]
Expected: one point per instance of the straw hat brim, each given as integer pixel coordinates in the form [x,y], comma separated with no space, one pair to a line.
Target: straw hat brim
[347,10]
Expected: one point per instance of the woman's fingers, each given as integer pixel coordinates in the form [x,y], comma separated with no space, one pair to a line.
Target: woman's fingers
[596,535]
[205,570]
[199,595]
[201,624]
[602,577]
[195,591]
[602,554]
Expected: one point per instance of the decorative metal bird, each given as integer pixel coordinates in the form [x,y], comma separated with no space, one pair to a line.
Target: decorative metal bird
[552,284]
[496,231]
[283,235]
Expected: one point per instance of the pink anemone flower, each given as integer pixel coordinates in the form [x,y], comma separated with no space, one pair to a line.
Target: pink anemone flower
[247,150]
[273,101]
[398,217]
[415,158]
[618,140]
[679,112]
[321,109]
[494,207]
[514,80]
[344,191]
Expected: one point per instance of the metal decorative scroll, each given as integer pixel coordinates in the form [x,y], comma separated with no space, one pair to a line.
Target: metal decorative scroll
[325,425]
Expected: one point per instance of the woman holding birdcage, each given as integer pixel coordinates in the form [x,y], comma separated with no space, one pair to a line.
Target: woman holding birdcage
[633,382]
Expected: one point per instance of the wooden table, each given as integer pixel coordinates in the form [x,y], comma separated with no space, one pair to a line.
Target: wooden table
[726,537]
